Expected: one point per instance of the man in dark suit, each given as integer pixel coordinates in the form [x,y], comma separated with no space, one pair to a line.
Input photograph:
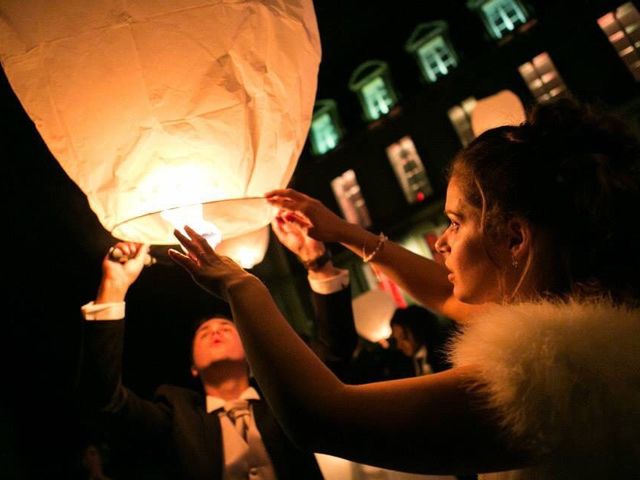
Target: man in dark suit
[422,336]
[227,431]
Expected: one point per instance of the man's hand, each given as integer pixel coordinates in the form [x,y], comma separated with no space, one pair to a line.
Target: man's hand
[293,235]
[119,275]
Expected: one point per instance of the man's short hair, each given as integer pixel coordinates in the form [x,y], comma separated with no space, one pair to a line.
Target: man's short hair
[423,324]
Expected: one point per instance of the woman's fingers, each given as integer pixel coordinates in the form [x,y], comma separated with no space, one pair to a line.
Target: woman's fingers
[284,202]
[199,240]
[298,218]
[285,193]
[286,198]
[186,242]
[183,260]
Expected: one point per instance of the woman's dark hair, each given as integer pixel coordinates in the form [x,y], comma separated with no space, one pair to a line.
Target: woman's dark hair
[574,174]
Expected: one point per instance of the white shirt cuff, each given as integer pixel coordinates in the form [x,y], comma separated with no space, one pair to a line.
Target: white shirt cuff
[103,311]
[329,285]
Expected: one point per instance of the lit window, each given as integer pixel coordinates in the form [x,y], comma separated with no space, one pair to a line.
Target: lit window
[325,127]
[622,27]
[460,116]
[409,170]
[500,16]
[542,78]
[350,199]
[372,83]
[431,45]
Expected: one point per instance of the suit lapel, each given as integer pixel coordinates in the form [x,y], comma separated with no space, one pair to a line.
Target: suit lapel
[272,436]
[212,433]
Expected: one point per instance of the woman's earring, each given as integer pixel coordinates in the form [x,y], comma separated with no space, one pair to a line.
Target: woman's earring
[514,263]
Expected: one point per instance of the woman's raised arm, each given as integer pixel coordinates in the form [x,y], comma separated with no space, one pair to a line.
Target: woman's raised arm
[428,424]
[422,278]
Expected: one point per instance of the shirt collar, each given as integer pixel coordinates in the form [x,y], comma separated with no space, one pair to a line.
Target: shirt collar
[215,403]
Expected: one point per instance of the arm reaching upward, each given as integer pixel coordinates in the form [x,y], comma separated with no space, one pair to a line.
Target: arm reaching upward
[100,377]
[335,336]
[424,279]
[430,424]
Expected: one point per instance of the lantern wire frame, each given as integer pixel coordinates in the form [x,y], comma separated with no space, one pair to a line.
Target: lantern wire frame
[233,217]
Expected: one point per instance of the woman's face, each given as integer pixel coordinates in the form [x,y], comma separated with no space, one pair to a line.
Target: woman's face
[475,277]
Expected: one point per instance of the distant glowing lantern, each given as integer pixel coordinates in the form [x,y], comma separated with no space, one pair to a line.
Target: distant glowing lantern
[503,108]
[372,312]
[168,113]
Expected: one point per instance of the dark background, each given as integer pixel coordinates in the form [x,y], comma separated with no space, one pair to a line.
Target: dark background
[54,243]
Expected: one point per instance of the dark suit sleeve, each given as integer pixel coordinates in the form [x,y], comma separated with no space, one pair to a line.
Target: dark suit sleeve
[336,337]
[100,382]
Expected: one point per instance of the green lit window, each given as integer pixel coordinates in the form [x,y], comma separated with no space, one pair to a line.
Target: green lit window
[372,83]
[324,134]
[325,127]
[436,58]
[430,44]
[377,98]
[501,16]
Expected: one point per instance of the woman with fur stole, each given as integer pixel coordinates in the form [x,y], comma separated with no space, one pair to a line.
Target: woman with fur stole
[541,262]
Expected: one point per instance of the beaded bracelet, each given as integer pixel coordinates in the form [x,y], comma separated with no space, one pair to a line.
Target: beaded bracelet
[381,239]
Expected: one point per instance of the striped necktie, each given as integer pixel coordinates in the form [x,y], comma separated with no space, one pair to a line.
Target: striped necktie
[238,412]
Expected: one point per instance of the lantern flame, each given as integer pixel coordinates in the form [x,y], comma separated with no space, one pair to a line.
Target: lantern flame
[247,257]
[192,215]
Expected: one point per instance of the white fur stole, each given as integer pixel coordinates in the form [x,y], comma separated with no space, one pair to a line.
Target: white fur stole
[565,380]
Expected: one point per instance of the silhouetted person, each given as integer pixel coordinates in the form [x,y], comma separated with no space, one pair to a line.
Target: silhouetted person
[421,336]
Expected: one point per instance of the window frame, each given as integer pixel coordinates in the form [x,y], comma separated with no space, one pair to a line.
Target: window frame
[367,74]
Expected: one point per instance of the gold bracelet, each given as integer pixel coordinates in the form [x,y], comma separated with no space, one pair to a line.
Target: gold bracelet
[381,239]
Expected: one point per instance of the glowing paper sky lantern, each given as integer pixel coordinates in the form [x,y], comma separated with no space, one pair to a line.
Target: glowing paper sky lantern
[372,312]
[152,106]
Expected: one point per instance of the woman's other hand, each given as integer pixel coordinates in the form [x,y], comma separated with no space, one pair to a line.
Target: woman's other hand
[320,222]
[214,273]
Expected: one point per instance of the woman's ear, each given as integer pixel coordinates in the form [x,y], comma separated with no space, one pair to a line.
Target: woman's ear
[519,238]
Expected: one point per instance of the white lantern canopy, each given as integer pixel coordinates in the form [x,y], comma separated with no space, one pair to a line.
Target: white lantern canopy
[181,111]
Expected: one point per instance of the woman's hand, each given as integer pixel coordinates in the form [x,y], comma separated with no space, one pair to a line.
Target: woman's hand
[320,222]
[214,273]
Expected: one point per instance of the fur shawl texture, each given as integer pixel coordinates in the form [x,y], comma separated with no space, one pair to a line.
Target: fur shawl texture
[565,381]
